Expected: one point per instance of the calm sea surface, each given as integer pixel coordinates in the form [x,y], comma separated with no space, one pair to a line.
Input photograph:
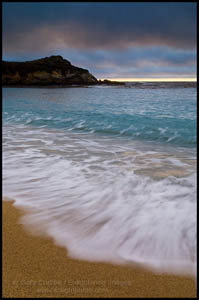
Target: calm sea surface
[109,172]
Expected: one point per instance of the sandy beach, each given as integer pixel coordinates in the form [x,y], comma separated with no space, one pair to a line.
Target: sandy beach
[34,266]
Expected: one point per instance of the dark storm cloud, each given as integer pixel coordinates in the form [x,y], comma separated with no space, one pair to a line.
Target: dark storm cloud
[98,25]
[109,39]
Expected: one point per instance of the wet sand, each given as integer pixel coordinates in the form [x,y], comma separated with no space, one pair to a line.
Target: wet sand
[34,266]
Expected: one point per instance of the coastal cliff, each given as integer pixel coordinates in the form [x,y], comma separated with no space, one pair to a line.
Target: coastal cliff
[53,70]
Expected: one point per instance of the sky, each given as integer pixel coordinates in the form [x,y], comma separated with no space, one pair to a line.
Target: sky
[113,40]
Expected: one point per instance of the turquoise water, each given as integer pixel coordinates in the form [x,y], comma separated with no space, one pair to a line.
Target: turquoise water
[108,172]
[157,115]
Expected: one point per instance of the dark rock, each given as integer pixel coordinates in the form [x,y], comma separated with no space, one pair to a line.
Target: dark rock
[109,82]
[53,70]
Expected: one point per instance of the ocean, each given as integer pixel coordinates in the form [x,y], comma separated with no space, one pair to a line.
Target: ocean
[108,172]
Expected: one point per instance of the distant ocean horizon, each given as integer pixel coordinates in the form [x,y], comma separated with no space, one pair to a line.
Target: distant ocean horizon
[151,79]
[108,171]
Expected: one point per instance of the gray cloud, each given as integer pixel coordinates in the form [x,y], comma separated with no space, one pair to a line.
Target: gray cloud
[106,38]
[98,25]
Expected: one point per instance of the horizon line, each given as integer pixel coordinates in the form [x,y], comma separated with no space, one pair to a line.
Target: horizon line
[152,79]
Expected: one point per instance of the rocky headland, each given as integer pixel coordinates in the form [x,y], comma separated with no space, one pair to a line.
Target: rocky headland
[55,71]
[48,71]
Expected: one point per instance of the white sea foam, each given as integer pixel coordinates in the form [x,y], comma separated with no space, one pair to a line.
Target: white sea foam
[105,199]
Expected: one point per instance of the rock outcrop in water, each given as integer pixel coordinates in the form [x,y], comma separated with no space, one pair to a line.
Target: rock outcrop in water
[53,70]
[110,82]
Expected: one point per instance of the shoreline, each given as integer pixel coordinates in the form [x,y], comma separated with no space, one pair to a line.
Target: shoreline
[33,266]
[131,85]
